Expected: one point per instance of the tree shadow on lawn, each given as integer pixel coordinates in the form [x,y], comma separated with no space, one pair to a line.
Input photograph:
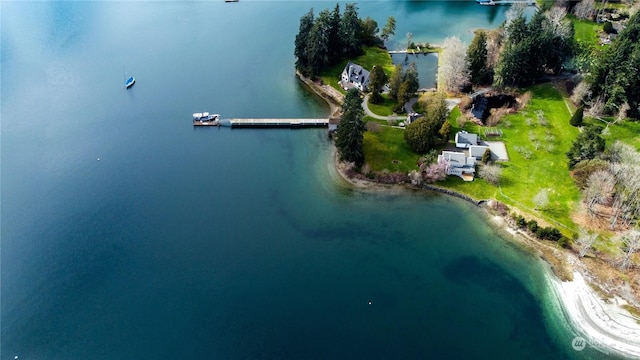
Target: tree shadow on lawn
[544,91]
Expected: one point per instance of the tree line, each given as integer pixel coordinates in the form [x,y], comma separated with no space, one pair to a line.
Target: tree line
[516,54]
[324,40]
[614,77]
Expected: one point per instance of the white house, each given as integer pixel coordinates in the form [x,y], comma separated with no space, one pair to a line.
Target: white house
[354,75]
[464,139]
[459,164]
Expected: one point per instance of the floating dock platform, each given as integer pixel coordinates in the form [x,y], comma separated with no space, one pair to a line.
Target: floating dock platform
[206,123]
[279,123]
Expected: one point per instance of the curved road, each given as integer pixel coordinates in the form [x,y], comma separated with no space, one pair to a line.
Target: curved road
[451,103]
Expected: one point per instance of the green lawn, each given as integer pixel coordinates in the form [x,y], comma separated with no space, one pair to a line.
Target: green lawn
[385,108]
[386,149]
[546,167]
[586,31]
[626,131]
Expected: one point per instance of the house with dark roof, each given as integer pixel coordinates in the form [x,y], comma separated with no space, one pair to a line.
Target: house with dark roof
[354,75]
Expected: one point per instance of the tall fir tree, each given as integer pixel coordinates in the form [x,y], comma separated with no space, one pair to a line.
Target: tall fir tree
[350,30]
[576,118]
[318,44]
[350,131]
[615,75]
[377,80]
[477,57]
[302,39]
[395,81]
[335,41]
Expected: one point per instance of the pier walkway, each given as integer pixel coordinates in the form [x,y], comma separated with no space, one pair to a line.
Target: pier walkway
[290,123]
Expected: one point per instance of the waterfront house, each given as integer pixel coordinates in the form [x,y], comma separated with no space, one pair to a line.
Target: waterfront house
[465,139]
[459,164]
[354,75]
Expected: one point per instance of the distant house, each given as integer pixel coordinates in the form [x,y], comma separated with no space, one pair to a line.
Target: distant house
[354,75]
[459,164]
[464,139]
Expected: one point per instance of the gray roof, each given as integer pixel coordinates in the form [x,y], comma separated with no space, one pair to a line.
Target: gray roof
[458,159]
[466,138]
[477,150]
[356,73]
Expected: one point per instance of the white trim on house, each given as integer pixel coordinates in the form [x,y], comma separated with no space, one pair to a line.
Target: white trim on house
[355,76]
[459,164]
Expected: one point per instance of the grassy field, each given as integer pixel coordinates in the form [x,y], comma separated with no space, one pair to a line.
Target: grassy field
[536,159]
[385,108]
[626,131]
[586,31]
[386,149]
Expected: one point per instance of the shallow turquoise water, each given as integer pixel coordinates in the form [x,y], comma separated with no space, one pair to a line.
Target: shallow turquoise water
[128,233]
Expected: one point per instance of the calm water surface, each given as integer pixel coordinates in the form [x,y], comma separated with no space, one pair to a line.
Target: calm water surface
[127,233]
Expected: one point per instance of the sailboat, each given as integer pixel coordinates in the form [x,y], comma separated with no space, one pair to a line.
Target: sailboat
[128,82]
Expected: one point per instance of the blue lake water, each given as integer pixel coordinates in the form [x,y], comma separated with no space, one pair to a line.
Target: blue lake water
[127,233]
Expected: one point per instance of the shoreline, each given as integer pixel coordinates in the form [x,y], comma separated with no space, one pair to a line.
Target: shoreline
[331,96]
[606,327]
[603,323]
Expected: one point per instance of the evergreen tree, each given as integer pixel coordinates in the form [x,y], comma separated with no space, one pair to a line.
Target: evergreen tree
[587,145]
[318,49]
[302,39]
[444,131]
[615,75]
[350,31]
[349,134]
[409,85]
[517,30]
[576,118]
[477,57]
[424,134]
[377,80]
[486,156]
[530,50]
[389,28]
[421,135]
[368,30]
[335,41]
[395,82]
[411,78]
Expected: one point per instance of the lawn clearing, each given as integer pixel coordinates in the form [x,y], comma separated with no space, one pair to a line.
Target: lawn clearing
[537,159]
[386,149]
[385,108]
[586,31]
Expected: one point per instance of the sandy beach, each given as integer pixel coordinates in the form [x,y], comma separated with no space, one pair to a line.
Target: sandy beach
[604,324]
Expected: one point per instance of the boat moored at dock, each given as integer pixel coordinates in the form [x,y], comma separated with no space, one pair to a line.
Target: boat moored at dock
[206,119]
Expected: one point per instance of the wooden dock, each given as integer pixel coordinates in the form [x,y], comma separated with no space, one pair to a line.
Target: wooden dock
[279,123]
